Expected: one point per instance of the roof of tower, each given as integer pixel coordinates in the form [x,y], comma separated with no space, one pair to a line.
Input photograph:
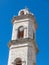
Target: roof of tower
[24,12]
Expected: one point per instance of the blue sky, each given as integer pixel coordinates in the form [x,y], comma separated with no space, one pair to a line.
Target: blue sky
[10,8]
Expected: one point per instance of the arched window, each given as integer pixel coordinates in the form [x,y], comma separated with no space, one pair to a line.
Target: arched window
[18,61]
[21,32]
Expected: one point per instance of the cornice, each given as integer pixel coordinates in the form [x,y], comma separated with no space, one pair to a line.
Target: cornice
[21,41]
[22,17]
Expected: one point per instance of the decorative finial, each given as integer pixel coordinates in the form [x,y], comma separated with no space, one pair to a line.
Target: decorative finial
[26,8]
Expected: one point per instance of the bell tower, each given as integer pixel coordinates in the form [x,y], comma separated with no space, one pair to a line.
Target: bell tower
[23,47]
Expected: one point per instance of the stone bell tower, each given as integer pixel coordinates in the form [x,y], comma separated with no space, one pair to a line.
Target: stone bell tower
[23,47]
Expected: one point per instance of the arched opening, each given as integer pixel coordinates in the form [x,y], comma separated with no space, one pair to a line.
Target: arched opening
[21,32]
[22,13]
[18,61]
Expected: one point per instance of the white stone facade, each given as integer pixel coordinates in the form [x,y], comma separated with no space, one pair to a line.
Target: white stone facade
[25,51]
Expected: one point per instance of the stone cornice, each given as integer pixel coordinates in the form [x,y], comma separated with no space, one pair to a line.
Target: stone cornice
[21,41]
[23,17]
